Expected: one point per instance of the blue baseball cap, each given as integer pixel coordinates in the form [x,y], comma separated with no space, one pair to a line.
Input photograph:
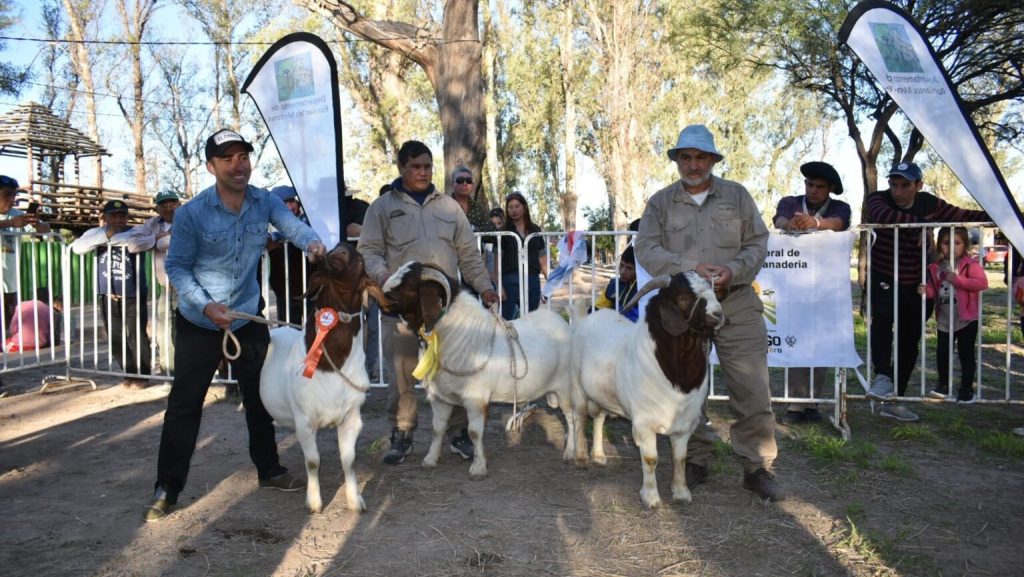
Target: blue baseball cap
[284,192]
[907,170]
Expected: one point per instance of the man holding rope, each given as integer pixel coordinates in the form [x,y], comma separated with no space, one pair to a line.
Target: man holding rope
[217,240]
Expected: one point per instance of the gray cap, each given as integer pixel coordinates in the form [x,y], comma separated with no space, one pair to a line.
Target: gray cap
[695,136]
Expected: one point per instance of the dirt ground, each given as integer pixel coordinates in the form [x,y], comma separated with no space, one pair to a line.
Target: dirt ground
[77,467]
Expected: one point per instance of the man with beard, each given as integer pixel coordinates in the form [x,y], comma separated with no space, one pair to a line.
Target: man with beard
[711,225]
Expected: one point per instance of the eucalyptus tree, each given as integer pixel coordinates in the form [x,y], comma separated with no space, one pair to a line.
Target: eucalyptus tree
[979,41]
[135,16]
[83,16]
[11,76]
[450,54]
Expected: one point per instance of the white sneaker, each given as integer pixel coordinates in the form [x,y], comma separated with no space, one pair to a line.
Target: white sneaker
[882,389]
[898,412]
[1019,431]
[938,394]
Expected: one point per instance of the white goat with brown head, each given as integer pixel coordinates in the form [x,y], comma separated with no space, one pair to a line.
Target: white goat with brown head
[481,360]
[334,393]
[653,372]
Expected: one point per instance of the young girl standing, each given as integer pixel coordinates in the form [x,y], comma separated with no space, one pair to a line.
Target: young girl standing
[955,285]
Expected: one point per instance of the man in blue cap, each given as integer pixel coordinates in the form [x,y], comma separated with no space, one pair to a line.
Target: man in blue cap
[712,226]
[121,276]
[903,203]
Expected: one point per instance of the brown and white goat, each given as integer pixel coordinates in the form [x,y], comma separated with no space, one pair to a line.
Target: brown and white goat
[653,372]
[337,389]
[481,363]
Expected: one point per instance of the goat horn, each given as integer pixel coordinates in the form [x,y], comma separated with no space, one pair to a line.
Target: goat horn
[438,277]
[653,284]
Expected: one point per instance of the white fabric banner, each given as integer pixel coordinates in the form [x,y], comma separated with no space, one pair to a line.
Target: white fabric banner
[295,88]
[808,303]
[804,285]
[888,42]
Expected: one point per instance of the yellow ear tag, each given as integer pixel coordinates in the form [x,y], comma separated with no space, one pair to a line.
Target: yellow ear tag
[429,363]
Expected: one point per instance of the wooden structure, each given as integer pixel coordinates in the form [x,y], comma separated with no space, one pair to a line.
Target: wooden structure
[33,132]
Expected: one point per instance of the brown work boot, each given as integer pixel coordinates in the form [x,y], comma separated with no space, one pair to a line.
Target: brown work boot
[762,482]
[695,475]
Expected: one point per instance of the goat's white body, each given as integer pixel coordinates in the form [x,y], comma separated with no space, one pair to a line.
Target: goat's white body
[614,370]
[464,335]
[307,405]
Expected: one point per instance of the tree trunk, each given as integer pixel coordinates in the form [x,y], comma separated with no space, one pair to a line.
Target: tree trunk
[452,65]
[79,54]
[491,38]
[567,57]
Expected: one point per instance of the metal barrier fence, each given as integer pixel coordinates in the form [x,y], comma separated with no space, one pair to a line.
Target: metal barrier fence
[139,342]
[31,326]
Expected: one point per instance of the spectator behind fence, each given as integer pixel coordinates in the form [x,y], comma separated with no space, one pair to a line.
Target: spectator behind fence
[414,221]
[287,273]
[517,214]
[30,328]
[219,237]
[12,220]
[710,225]
[621,289]
[903,203]
[810,212]
[497,218]
[1018,296]
[121,282]
[956,288]
[155,235]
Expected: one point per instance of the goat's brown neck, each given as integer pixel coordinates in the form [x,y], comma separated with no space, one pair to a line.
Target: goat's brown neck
[683,359]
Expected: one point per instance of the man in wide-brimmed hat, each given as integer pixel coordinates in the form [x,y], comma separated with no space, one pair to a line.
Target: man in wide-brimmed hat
[812,211]
[711,225]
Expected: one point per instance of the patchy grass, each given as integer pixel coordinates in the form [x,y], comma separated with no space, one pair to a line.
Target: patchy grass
[828,449]
[895,463]
[1000,443]
[907,432]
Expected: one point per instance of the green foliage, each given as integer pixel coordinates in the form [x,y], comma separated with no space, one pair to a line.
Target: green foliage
[1001,444]
[11,77]
[896,464]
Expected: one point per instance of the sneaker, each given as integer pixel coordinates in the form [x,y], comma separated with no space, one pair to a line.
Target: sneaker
[965,396]
[881,389]
[898,412]
[401,446]
[1019,431]
[939,393]
[695,475]
[762,482]
[462,446]
[284,482]
[159,506]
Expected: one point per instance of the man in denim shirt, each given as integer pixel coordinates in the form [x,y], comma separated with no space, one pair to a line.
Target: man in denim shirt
[217,240]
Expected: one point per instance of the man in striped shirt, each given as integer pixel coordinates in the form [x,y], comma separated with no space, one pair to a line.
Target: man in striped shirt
[896,272]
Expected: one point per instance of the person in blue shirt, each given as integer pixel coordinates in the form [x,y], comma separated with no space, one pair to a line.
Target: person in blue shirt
[217,240]
[622,289]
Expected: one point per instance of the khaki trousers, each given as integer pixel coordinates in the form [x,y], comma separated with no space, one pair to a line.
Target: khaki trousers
[401,348]
[742,347]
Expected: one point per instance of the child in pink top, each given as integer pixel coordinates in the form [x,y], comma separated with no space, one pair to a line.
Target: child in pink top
[956,287]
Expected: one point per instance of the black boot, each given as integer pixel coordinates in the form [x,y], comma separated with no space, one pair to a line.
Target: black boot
[401,446]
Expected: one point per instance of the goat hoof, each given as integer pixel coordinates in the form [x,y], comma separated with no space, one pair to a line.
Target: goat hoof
[477,473]
[600,461]
[429,463]
[682,496]
[581,463]
[314,509]
[359,506]
[651,502]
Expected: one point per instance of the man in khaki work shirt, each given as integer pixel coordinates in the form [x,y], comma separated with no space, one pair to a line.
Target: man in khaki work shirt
[711,225]
[415,221]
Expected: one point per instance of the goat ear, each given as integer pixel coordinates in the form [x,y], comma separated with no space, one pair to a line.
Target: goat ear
[672,319]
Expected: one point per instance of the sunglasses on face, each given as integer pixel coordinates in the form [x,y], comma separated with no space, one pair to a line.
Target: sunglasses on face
[463,180]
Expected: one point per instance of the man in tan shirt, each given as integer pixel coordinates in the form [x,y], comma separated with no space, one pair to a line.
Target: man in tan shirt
[711,225]
[415,221]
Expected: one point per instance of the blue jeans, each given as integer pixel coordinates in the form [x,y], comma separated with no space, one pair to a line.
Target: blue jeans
[510,283]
